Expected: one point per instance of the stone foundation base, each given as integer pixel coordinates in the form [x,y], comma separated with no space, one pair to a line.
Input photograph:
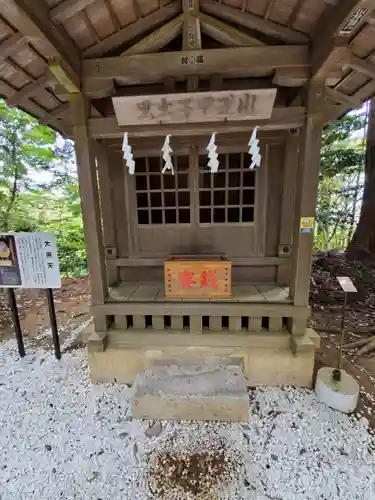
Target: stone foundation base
[191,392]
[267,359]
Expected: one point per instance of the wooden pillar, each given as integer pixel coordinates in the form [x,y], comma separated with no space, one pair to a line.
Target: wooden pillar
[288,208]
[88,185]
[307,185]
[107,212]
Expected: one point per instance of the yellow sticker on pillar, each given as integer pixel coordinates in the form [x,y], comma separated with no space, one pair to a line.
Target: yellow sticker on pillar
[306,225]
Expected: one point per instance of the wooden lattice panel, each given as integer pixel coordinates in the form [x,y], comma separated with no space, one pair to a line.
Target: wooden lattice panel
[198,279]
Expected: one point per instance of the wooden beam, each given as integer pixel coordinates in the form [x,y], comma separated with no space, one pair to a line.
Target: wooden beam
[191,36]
[134,30]
[290,77]
[97,89]
[29,90]
[332,64]
[69,81]
[33,22]
[366,68]
[203,308]
[341,98]
[66,10]
[332,31]
[12,45]
[226,34]
[253,22]
[281,119]
[239,61]
[157,39]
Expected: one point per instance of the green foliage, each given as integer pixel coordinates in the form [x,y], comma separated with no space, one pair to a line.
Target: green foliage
[340,181]
[38,186]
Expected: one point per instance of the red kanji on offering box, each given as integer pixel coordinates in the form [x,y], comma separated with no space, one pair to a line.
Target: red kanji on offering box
[200,279]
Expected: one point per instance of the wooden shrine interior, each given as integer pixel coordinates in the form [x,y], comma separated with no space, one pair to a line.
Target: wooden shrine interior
[64,61]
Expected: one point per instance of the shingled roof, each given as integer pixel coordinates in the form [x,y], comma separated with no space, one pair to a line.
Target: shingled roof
[100,46]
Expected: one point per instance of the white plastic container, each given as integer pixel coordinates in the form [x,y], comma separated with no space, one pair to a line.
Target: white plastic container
[340,394]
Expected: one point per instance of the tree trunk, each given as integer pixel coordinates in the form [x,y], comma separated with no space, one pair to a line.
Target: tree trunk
[354,207]
[364,235]
[13,193]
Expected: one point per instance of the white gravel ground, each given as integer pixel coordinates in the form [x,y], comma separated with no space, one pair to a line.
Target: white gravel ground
[62,438]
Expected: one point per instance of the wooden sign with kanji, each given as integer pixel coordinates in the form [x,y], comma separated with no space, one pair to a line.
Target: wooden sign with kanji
[198,279]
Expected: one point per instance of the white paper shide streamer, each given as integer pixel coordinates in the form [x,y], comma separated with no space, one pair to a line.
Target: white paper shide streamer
[167,150]
[213,162]
[254,150]
[127,154]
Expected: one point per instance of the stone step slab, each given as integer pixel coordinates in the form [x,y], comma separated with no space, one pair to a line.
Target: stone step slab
[191,392]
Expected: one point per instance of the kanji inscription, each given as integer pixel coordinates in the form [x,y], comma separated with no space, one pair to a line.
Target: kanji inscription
[195,107]
[200,279]
[29,260]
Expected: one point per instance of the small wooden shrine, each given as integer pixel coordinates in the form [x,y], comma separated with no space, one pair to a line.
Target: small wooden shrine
[189,259]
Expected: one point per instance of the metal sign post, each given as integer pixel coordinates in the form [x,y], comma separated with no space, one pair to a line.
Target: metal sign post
[16,322]
[52,317]
[348,287]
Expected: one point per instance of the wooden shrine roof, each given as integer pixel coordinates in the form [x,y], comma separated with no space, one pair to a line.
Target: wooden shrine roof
[99,44]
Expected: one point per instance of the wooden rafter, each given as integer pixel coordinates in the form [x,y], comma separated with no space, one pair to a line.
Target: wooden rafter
[229,62]
[364,67]
[134,30]
[294,14]
[137,9]
[226,34]
[112,14]
[269,8]
[158,38]
[68,9]
[12,45]
[253,22]
[282,118]
[33,22]
[341,98]
[361,94]
[30,89]
[332,33]
[34,90]
[90,26]
[48,118]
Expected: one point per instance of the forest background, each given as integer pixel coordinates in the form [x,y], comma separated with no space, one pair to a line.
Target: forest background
[39,188]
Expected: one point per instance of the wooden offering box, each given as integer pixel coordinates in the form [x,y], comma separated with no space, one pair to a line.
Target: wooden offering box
[188,277]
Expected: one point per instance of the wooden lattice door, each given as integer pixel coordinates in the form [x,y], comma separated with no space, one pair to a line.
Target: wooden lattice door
[195,211]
